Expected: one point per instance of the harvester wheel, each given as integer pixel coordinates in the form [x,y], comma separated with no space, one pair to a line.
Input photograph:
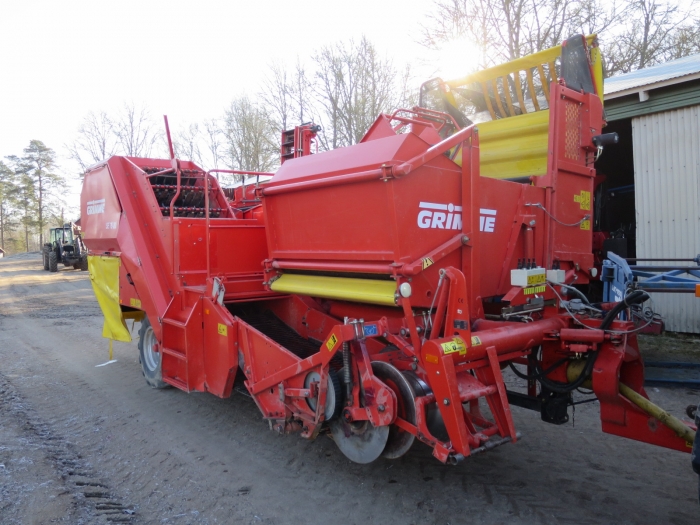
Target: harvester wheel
[399,441]
[149,356]
[360,441]
[45,258]
[83,264]
[53,261]
[334,394]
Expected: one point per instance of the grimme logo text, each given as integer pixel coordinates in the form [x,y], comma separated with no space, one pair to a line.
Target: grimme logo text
[449,217]
[94,207]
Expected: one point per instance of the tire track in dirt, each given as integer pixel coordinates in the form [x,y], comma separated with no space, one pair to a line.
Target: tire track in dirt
[93,499]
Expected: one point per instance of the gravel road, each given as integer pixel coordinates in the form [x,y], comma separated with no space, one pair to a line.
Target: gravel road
[84,444]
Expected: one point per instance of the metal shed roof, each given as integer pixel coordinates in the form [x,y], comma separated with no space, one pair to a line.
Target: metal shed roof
[666,74]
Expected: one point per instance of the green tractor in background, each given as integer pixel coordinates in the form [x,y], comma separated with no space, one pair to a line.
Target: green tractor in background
[65,246]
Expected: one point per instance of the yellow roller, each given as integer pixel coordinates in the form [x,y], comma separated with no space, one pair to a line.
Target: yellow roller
[345,289]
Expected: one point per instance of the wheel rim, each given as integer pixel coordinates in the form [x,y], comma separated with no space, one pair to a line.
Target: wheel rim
[150,356]
[331,402]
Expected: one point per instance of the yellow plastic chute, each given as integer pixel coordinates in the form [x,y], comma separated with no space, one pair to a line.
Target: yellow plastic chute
[104,275]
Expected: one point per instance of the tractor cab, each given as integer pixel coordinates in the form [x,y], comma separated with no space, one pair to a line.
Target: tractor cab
[65,245]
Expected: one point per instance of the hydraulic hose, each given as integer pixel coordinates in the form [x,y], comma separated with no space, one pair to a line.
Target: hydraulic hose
[635,297]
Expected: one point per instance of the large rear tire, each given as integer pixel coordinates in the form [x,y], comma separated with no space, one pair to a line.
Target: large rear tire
[150,356]
[84,264]
[45,258]
[53,261]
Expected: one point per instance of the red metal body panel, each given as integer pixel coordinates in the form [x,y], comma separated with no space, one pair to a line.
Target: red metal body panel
[395,206]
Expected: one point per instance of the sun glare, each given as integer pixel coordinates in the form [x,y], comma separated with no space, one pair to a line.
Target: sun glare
[457,58]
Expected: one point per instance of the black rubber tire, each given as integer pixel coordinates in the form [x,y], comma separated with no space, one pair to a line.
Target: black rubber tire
[53,261]
[150,361]
[83,264]
[76,266]
[45,259]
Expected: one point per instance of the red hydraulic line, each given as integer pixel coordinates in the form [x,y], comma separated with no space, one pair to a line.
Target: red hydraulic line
[512,338]
[432,152]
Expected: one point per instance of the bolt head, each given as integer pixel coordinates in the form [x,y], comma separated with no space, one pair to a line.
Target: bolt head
[381,408]
[446,402]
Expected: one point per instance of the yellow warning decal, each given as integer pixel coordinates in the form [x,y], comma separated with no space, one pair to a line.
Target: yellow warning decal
[427,262]
[534,289]
[475,340]
[332,341]
[586,225]
[536,279]
[136,303]
[584,200]
[454,346]
[223,330]
[430,358]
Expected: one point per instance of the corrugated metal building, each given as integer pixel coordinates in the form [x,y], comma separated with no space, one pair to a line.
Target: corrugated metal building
[653,181]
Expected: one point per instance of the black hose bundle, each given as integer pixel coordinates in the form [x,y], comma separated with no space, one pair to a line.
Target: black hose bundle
[635,297]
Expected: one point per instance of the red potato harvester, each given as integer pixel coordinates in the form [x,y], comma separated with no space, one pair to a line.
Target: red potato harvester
[376,292]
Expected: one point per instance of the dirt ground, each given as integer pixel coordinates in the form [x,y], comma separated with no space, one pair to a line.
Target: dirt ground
[88,444]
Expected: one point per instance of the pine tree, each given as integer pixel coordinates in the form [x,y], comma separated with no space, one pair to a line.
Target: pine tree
[37,176]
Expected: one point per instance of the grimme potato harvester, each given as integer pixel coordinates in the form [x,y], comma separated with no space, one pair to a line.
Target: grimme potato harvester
[377,292]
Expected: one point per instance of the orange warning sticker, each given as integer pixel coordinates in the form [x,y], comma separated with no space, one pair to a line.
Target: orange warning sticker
[431,358]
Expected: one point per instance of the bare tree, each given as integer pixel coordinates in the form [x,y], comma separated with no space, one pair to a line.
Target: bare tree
[187,144]
[654,31]
[637,33]
[287,93]
[248,131]
[96,140]
[277,95]
[353,85]
[135,131]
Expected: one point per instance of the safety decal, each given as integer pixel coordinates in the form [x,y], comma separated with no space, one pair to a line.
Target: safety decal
[427,262]
[586,225]
[534,289]
[454,346]
[332,341]
[136,303]
[536,279]
[223,330]
[370,330]
[584,200]
[475,340]
[431,358]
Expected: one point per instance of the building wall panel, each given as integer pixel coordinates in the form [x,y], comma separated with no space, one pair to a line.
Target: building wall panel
[667,200]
